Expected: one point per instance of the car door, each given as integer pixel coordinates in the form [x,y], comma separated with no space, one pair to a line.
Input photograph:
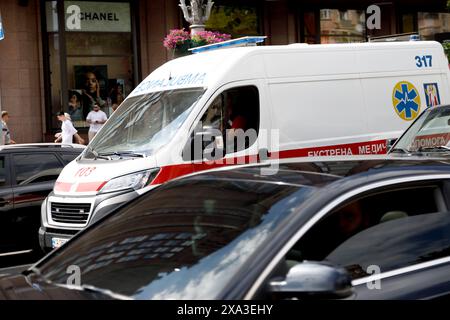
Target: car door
[393,241]
[404,258]
[6,205]
[34,175]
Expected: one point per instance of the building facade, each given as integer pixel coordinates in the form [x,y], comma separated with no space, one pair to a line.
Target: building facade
[68,55]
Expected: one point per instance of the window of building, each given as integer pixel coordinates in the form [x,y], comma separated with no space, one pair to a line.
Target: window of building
[238,21]
[338,26]
[91,57]
[434,25]
[408,23]
[325,14]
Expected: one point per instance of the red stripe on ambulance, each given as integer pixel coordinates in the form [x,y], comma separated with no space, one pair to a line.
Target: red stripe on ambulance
[90,186]
[362,148]
[170,172]
[62,186]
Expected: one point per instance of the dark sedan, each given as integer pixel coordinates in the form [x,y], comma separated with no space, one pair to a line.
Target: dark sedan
[374,229]
[27,175]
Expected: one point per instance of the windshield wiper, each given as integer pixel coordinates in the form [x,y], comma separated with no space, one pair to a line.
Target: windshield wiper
[96,155]
[399,150]
[124,154]
[432,149]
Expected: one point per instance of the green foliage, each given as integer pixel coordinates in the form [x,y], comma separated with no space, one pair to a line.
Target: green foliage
[446,46]
[237,21]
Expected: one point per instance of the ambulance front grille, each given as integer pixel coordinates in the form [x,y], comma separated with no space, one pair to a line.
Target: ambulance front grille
[74,213]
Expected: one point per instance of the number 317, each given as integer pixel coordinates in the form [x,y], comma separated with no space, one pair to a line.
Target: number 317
[424,61]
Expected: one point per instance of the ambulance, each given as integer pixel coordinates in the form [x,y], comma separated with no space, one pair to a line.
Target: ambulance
[297,101]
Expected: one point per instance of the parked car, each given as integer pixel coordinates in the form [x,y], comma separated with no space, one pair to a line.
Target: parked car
[27,175]
[373,229]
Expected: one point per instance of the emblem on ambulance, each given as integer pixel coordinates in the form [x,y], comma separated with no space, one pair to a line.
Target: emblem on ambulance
[432,94]
[406,100]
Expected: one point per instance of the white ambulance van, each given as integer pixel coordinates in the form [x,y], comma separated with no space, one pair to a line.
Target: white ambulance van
[300,100]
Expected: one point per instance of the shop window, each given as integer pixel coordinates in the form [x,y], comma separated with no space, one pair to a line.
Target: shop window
[337,26]
[235,20]
[91,60]
[431,25]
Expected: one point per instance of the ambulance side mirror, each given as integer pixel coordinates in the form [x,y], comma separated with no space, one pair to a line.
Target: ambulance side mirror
[203,144]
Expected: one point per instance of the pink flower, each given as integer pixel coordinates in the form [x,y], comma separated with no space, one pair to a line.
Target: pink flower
[176,37]
[210,37]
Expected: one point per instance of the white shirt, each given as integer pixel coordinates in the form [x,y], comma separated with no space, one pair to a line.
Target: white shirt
[68,131]
[96,116]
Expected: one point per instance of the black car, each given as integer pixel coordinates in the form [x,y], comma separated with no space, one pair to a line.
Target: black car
[373,229]
[27,175]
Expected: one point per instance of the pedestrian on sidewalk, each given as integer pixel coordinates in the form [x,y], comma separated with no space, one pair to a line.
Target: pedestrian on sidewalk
[6,134]
[96,118]
[67,129]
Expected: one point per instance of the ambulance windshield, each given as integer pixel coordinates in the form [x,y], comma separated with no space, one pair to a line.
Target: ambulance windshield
[145,123]
[430,133]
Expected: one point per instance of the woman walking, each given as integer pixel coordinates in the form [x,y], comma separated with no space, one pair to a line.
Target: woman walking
[67,128]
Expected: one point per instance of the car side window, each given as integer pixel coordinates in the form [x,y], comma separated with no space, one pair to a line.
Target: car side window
[2,171]
[389,229]
[36,168]
[234,109]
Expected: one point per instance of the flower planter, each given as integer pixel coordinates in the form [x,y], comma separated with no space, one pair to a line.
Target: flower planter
[179,41]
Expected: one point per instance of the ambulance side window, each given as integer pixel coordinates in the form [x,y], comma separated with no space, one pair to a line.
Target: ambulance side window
[235,115]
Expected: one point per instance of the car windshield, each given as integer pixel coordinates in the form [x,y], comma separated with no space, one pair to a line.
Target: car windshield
[166,245]
[145,123]
[430,132]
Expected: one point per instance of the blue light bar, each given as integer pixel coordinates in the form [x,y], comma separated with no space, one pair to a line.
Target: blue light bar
[240,42]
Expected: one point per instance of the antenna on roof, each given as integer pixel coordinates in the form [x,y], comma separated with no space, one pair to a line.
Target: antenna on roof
[240,42]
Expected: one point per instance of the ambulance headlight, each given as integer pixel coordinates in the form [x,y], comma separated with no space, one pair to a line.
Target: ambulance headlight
[136,181]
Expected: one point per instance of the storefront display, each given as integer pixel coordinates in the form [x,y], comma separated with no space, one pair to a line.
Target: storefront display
[92,59]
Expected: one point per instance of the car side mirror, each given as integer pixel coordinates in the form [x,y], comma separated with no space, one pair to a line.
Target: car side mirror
[312,280]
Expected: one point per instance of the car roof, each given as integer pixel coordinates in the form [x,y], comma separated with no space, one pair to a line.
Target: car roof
[43,146]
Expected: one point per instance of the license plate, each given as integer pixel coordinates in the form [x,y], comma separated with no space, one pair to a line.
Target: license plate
[58,242]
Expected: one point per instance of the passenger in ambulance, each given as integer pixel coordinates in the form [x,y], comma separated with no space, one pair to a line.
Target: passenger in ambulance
[236,122]
[235,117]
